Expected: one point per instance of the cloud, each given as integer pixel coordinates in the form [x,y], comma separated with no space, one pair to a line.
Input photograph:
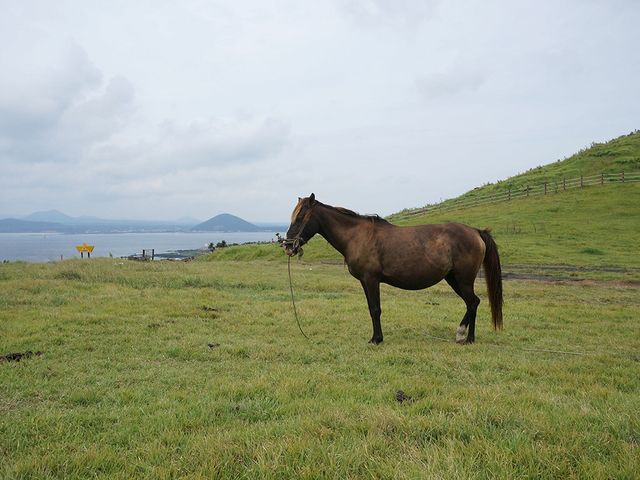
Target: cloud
[61,107]
[208,162]
[171,147]
[97,117]
[393,13]
[449,83]
[66,131]
[216,142]
[36,93]
[125,108]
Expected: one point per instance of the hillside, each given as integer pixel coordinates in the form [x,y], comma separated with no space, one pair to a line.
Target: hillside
[619,155]
[593,227]
[226,222]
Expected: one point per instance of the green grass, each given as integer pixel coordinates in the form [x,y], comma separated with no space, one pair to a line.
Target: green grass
[128,388]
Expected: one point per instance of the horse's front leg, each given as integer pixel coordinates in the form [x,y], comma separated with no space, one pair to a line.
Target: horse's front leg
[372,292]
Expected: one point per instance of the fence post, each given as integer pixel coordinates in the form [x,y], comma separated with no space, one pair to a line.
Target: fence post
[581,183]
[509,193]
[527,190]
[564,183]
[622,176]
[602,178]
[545,188]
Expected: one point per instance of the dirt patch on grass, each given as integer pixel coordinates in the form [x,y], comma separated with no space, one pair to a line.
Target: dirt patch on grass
[559,267]
[569,274]
[560,279]
[16,357]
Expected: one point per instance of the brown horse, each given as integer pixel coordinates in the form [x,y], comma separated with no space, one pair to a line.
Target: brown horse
[411,258]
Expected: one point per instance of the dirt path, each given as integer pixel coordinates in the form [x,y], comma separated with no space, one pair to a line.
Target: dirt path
[568,274]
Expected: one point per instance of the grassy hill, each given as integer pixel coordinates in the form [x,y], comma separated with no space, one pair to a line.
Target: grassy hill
[592,228]
[619,155]
[582,232]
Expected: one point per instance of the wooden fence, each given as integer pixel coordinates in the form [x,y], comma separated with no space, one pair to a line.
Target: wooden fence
[528,191]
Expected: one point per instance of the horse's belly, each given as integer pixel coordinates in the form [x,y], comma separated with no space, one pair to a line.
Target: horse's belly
[413,282]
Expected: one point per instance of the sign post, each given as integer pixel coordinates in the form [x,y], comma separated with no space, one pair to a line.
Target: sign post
[85,248]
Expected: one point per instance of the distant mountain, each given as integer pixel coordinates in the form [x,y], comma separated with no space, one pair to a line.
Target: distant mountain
[55,216]
[13,225]
[226,222]
[56,221]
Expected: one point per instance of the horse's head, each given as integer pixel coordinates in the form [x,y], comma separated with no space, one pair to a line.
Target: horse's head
[303,226]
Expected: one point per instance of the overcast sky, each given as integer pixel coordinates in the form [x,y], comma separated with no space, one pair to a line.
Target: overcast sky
[151,109]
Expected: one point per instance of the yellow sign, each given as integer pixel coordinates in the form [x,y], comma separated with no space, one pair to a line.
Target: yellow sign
[84,248]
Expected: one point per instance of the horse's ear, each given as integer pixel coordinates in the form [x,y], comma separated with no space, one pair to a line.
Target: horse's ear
[312,199]
[299,198]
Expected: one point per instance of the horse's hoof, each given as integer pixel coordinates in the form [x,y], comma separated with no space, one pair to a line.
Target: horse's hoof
[461,334]
[375,341]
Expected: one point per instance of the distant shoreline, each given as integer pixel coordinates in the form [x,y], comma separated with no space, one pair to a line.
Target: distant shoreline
[47,247]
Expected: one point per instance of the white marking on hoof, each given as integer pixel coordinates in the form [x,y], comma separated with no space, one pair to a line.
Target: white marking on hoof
[461,334]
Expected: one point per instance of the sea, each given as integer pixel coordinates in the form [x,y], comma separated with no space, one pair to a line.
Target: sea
[51,247]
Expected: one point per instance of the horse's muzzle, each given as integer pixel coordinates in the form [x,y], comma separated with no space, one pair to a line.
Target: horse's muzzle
[292,246]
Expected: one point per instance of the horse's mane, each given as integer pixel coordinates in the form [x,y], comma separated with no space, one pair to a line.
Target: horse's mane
[346,211]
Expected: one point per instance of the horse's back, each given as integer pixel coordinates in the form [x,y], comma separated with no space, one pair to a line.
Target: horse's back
[452,235]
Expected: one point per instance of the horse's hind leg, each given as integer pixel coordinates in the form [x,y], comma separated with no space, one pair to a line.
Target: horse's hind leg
[464,289]
[461,332]
[372,292]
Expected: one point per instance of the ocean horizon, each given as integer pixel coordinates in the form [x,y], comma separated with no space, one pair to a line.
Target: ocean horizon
[48,247]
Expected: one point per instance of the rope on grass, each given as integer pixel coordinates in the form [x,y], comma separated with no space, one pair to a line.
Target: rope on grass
[293,301]
[437,338]
[543,350]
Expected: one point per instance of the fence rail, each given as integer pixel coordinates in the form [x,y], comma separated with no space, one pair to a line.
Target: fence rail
[544,188]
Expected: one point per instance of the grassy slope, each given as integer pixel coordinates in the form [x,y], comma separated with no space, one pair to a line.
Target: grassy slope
[596,227]
[621,154]
[127,387]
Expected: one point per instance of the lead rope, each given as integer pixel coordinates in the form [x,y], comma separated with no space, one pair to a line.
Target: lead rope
[293,301]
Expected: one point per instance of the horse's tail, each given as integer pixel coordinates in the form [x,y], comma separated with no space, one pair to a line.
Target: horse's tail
[493,275]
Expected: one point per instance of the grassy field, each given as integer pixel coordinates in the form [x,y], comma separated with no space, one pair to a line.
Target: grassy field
[197,370]
[128,386]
